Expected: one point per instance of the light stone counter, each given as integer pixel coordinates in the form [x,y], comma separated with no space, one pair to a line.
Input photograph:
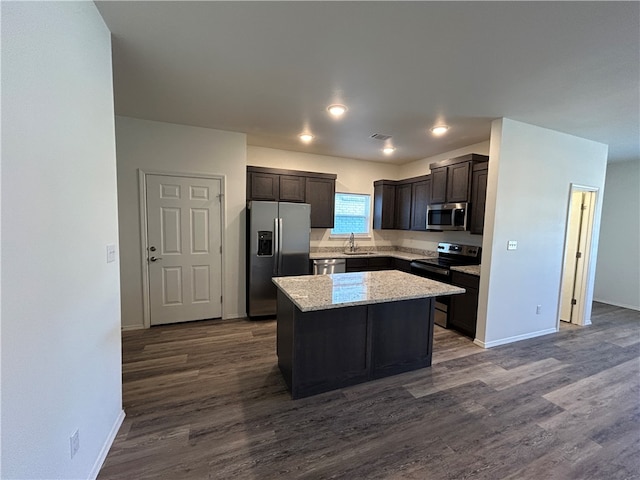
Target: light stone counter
[469,269]
[403,253]
[368,254]
[321,292]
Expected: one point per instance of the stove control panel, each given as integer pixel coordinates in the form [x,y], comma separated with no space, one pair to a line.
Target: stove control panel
[455,249]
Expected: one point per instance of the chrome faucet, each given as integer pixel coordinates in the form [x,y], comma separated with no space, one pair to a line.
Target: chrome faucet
[352,243]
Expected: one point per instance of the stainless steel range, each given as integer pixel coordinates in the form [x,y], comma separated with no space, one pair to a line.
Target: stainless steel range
[439,269]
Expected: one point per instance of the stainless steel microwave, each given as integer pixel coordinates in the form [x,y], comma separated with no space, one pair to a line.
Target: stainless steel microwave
[447,216]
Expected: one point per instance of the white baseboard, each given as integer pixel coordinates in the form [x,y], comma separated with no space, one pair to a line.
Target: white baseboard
[125,328]
[615,304]
[107,445]
[517,338]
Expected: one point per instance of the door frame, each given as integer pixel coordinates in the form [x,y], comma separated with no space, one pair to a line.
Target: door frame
[581,309]
[142,190]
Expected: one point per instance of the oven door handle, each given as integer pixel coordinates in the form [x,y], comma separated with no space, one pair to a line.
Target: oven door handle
[430,269]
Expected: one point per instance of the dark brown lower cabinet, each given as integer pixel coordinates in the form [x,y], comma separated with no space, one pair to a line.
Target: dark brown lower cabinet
[464,307]
[357,264]
[324,350]
[377,263]
[402,265]
[361,264]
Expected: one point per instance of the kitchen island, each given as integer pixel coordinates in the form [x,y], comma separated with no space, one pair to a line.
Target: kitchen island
[347,328]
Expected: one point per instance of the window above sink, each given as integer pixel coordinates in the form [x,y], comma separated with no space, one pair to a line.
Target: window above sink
[352,215]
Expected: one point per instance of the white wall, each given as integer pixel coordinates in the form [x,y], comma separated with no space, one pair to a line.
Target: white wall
[421,167]
[166,147]
[61,363]
[618,272]
[530,174]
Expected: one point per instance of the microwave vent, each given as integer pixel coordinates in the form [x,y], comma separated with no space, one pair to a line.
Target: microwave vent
[381,136]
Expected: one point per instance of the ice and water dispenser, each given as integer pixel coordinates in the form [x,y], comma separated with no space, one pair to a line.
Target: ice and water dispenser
[265,243]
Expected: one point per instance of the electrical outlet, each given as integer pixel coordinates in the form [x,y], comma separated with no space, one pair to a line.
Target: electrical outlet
[538,309]
[74,442]
[111,253]
[512,245]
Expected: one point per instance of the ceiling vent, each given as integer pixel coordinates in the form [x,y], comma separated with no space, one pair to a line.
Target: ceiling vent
[381,136]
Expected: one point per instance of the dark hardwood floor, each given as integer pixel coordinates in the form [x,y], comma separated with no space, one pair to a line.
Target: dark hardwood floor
[206,400]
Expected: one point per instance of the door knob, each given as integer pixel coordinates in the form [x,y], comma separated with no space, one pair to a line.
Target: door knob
[155,259]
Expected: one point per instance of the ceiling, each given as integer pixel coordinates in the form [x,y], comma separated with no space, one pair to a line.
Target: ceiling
[270,69]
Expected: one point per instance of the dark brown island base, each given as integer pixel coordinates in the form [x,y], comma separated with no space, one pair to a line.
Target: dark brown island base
[347,328]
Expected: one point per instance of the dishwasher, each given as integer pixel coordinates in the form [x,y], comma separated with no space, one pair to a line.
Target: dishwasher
[326,266]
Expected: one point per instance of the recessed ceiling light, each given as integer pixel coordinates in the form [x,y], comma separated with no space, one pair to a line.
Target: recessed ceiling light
[388,150]
[440,129]
[305,137]
[336,110]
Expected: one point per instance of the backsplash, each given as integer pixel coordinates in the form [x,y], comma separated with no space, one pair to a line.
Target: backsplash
[382,240]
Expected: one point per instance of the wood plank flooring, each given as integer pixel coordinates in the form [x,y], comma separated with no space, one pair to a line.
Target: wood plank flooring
[206,401]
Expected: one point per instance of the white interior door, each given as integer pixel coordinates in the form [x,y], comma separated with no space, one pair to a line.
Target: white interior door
[573,238]
[578,247]
[184,248]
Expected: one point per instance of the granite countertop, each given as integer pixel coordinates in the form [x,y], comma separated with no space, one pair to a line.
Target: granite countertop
[372,253]
[469,269]
[322,292]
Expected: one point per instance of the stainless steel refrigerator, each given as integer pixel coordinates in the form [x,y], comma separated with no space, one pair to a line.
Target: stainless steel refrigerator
[277,246]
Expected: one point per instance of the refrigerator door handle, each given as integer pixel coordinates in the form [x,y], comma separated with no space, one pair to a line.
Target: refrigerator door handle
[276,247]
[280,246]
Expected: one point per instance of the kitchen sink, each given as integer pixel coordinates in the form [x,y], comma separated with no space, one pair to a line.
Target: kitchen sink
[360,253]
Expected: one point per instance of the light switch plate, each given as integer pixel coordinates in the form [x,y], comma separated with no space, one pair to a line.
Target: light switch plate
[512,245]
[111,253]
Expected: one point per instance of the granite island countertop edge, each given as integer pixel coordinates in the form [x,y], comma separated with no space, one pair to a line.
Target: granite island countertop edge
[324,290]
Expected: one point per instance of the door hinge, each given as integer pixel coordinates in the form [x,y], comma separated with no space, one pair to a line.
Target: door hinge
[220,298]
[573,301]
[578,254]
[583,207]
[220,248]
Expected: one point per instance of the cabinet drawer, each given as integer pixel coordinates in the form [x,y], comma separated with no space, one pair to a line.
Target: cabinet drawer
[357,264]
[380,263]
[465,280]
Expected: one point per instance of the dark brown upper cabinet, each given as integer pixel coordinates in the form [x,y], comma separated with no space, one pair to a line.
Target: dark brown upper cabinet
[458,186]
[316,189]
[479,178]
[401,204]
[292,188]
[263,186]
[402,214]
[384,204]
[320,193]
[438,185]
[451,179]
[420,197]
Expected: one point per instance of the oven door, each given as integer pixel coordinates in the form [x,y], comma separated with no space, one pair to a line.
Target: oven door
[439,274]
